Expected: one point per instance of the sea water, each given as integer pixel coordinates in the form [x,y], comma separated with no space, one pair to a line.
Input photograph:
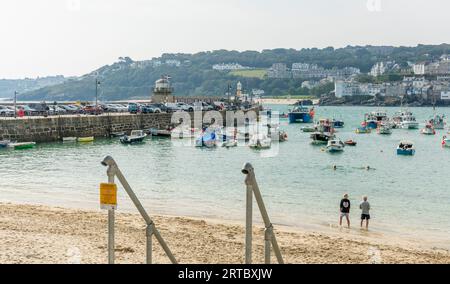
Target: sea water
[409,195]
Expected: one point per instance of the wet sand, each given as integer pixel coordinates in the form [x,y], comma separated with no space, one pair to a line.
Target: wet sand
[40,234]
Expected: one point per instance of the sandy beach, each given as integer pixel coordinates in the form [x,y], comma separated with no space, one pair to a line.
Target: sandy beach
[39,234]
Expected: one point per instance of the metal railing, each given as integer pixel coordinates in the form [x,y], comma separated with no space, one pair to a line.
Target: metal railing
[269,236]
[151,230]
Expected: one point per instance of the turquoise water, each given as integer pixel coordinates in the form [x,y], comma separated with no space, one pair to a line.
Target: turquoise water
[409,195]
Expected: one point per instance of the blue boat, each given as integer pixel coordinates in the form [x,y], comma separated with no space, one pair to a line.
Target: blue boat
[406,148]
[301,114]
[4,143]
[338,123]
[206,139]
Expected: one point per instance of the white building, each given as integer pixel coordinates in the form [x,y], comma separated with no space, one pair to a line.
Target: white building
[346,88]
[280,71]
[229,66]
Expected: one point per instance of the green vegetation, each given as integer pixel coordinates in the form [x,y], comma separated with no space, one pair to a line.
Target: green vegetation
[252,73]
[129,79]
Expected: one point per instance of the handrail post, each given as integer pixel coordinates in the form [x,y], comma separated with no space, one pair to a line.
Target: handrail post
[149,234]
[151,230]
[111,221]
[249,225]
[269,237]
[267,241]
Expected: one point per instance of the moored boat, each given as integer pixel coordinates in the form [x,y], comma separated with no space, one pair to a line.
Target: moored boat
[260,141]
[335,145]
[307,129]
[69,139]
[363,130]
[428,130]
[406,148]
[136,136]
[22,145]
[206,139]
[324,132]
[85,139]
[445,142]
[338,123]
[350,142]
[4,143]
[438,121]
[301,114]
[384,129]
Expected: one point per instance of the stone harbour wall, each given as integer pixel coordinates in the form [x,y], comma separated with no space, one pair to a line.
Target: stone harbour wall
[49,129]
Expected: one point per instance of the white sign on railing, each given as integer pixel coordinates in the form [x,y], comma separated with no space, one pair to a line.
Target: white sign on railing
[445,95]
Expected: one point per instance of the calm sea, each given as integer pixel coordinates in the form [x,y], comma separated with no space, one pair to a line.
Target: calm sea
[409,195]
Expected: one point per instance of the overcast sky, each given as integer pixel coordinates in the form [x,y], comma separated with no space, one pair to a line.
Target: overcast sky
[74,37]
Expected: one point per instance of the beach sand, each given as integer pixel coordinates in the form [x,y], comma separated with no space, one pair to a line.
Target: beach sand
[39,234]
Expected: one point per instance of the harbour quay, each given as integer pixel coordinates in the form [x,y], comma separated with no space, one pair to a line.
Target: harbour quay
[53,128]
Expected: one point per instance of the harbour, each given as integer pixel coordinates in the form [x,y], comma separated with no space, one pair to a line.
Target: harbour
[299,183]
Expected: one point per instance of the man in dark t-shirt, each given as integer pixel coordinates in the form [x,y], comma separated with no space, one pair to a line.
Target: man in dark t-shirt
[344,210]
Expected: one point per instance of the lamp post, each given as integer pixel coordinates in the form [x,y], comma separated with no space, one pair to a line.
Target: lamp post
[15,104]
[97,83]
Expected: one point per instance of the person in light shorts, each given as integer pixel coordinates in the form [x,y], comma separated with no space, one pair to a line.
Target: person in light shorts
[345,210]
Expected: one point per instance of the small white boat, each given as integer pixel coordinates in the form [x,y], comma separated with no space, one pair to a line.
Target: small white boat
[428,130]
[384,129]
[230,143]
[409,122]
[260,141]
[335,145]
[136,136]
[69,139]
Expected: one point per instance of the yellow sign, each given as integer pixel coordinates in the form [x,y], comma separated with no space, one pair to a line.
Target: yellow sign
[108,196]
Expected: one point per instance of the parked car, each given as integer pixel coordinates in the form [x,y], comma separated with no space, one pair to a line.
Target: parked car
[92,109]
[133,108]
[161,107]
[172,107]
[5,111]
[41,108]
[28,110]
[56,110]
[202,106]
[185,107]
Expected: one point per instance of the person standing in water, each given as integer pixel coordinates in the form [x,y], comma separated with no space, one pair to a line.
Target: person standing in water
[365,214]
[345,210]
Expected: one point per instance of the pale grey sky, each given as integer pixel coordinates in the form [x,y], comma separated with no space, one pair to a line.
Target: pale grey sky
[73,37]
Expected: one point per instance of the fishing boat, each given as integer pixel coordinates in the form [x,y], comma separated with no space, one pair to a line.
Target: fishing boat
[69,139]
[324,132]
[363,130]
[428,130]
[350,143]
[307,129]
[375,118]
[4,143]
[22,145]
[260,141]
[136,136]
[301,114]
[409,122]
[335,145]
[85,139]
[384,129]
[283,137]
[406,148]
[438,121]
[338,123]
[206,139]
[370,121]
[160,132]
